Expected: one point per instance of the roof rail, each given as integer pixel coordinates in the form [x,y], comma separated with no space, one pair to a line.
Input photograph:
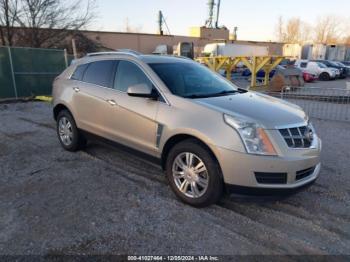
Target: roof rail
[118,52]
[131,51]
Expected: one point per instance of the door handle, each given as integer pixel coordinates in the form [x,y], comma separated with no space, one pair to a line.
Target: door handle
[76,89]
[112,102]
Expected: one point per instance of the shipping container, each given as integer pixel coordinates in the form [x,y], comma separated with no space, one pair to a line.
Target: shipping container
[336,52]
[316,51]
[347,55]
[292,50]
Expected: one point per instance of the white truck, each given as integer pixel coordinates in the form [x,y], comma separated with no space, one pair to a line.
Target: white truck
[234,50]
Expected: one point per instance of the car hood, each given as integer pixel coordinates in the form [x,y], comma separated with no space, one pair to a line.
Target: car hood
[268,111]
[333,69]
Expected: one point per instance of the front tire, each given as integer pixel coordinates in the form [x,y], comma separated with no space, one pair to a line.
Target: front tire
[68,133]
[325,77]
[194,174]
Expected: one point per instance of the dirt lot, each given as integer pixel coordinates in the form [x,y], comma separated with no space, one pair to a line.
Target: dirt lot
[107,201]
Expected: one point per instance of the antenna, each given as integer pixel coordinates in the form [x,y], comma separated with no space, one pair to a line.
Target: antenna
[209,22]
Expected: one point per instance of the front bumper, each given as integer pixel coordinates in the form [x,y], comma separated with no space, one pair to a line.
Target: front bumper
[240,169]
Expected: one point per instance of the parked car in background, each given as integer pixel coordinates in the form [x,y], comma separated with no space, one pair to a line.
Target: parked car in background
[331,64]
[287,63]
[346,65]
[260,74]
[204,131]
[323,72]
[308,77]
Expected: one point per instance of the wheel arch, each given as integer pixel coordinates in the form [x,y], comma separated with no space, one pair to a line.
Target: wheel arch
[58,108]
[325,75]
[178,138]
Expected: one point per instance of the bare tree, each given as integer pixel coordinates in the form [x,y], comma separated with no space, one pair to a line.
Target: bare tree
[9,11]
[83,45]
[347,40]
[131,29]
[280,29]
[45,23]
[328,29]
[293,31]
[306,33]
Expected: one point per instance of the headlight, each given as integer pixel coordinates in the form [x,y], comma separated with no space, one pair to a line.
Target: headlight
[254,137]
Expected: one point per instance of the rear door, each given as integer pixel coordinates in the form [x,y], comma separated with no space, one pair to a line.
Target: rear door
[89,102]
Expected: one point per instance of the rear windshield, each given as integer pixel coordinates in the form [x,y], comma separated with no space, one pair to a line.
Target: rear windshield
[192,80]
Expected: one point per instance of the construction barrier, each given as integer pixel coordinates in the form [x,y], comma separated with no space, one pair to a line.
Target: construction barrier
[29,72]
[322,103]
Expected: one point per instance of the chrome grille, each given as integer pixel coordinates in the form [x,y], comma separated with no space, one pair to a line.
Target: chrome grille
[298,137]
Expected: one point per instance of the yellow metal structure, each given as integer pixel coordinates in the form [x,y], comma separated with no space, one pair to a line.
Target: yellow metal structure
[44,98]
[254,64]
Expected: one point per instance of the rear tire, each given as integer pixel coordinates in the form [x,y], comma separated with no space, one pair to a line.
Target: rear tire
[194,174]
[68,134]
[325,77]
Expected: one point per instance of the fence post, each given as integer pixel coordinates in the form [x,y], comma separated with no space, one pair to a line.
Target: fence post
[66,57]
[74,49]
[12,72]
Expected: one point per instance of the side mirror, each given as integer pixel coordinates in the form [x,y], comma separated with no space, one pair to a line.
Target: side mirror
[142,90]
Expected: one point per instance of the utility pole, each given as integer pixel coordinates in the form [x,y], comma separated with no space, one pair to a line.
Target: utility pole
[235,33]
[160,22]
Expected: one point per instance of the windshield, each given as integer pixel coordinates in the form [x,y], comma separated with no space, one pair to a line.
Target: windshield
[192,80]
[334,64]
[321,65]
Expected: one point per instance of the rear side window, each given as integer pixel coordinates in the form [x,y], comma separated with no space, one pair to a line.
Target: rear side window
[100,73]
[129,74]
[303,65]
[79,72]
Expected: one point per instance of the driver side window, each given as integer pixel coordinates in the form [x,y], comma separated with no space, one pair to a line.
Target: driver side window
[129,74]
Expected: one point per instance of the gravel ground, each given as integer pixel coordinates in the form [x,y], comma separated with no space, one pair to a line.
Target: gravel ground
[106,201]
[339,84]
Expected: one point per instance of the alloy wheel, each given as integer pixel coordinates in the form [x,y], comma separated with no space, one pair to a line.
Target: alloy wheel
[190,175]
[65,131]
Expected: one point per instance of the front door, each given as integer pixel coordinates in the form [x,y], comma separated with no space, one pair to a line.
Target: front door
[133,121]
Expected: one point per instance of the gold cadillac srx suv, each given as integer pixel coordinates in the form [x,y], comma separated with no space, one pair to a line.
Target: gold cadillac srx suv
[207,133]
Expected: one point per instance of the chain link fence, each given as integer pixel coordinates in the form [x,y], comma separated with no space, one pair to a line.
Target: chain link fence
[323,103]
[27,72]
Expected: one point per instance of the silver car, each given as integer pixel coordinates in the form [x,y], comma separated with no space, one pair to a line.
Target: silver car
[208,134]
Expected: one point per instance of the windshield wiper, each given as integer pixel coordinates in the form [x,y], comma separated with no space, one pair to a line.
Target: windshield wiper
[226,92]
[222,93]
[196,96]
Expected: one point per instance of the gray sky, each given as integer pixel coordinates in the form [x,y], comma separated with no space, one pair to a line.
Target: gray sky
[255,19]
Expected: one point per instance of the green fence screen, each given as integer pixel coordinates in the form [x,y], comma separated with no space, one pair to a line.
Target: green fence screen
[26,72]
